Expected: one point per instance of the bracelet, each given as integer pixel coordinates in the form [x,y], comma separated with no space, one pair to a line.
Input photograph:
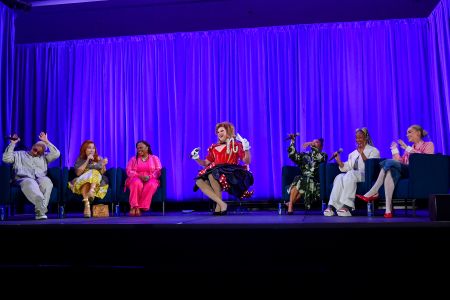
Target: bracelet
[394,151]
[408,149]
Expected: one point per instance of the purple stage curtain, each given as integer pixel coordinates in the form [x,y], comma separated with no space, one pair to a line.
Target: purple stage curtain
[439,48]
[7,17]
[321,80]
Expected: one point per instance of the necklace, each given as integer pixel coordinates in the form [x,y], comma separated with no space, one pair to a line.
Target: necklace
[144,159]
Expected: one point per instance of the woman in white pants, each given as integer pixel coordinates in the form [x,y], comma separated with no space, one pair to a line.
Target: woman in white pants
[342,198]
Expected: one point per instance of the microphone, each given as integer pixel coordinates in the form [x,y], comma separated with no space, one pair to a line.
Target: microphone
[12,138]
[294,134]
[337,152]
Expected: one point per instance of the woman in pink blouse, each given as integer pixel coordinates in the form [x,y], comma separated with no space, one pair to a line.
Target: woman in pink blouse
[143,173]
[393,169]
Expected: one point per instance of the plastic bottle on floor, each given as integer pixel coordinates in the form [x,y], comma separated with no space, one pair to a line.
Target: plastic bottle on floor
[370,209]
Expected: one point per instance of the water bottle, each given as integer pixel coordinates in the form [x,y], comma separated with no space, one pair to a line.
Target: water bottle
[2,213]
[61,212]
[370,209]
[279,208]
[117,210]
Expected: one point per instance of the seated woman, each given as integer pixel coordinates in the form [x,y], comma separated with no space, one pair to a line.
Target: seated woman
[90,182]
[143,173]
[306,184]
[342,197]
[222,170]
[393,169]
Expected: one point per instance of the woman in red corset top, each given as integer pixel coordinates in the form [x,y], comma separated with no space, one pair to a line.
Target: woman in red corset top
[222,169]
[393,169]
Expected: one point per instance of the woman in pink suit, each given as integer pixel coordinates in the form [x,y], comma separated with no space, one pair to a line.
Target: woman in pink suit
[143,173]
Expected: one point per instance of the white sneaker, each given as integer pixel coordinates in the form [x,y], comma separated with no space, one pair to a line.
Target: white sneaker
[40,216]
[328,212]
[344,213]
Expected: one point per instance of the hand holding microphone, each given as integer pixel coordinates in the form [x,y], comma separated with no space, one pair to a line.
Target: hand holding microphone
[336,154]
[195,153]
[292,136]
[14,138]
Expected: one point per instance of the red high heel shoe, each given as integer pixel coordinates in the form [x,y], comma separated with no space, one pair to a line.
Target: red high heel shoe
[367,199]
[389,215]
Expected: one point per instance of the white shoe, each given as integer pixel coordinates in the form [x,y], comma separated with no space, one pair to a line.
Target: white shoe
[344,213]
[328,212]
[40,216]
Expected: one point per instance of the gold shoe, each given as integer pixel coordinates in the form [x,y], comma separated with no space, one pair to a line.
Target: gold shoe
[87,208]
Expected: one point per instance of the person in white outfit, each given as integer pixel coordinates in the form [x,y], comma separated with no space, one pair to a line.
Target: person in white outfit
[30,171]
[342,198]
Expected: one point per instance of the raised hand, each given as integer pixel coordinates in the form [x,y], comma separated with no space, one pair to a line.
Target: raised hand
[43,137]
[14,139]
[402,144]
[195,154]
[104,161]
[393,145]
[360,149]
[292,136]
[245,143]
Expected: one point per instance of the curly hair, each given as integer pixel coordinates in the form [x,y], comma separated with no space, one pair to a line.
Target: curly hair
[146,144]
[228,127]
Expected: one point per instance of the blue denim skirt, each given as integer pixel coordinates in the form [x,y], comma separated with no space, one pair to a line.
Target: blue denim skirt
[398,170]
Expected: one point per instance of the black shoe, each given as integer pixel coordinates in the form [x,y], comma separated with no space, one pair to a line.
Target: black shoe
[223,213]
[290,213]
[216,213]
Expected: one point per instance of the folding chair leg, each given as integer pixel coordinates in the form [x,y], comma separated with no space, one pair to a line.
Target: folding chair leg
[406,207]
[3,214]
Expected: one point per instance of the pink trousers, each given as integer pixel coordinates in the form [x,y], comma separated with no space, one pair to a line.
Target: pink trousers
[141,193]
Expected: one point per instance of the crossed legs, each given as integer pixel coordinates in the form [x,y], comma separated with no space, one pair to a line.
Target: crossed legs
[212,189]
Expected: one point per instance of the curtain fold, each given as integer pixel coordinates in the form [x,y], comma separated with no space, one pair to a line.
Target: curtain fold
[7,33]
[439,53]
[321,80]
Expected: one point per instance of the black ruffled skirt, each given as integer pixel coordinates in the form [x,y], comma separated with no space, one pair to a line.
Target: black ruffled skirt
[235,179]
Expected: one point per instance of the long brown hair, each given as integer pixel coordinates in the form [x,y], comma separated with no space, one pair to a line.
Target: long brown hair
[83,150]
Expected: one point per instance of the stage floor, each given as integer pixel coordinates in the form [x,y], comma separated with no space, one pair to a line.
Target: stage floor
[268,217]
[253,241]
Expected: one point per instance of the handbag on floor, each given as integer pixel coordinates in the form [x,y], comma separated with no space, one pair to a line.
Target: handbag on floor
[100,211]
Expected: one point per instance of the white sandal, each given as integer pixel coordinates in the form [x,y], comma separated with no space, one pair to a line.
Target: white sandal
[344,212]
[328,212]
